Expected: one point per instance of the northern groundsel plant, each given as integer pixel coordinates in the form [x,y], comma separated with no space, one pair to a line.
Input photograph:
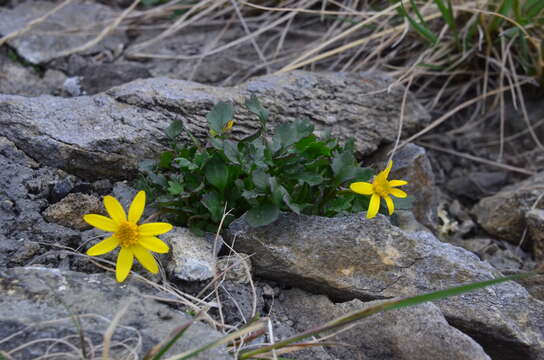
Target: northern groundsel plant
[133,239]
[380,188]
[290,169]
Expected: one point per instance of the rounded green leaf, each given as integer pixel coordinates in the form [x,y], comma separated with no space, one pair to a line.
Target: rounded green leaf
[262,215]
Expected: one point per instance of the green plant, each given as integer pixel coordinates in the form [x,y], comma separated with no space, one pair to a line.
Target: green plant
[292,170]
[520,22]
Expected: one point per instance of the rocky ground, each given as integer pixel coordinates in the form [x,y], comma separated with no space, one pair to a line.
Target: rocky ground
[74,126]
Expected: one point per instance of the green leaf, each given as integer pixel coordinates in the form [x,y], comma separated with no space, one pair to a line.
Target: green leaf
[310,178]
[255,107]
[290,133]
[362,174]
[219,116]
[344,167]
[263,214]
[230,150]
[184,163]
[201,158]
[260,179]
[250,194]
[212,202]
[175,188]
[217,143]
[340,203]
[287,200]
[158,179]
[217,173]
[175,128]
[166,159]
[147,165]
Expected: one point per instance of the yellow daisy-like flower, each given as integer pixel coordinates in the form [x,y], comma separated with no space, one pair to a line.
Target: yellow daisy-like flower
[380,188]
[135,240]
[227,128]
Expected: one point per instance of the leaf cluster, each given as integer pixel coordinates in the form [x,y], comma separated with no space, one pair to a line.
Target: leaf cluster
[292,170]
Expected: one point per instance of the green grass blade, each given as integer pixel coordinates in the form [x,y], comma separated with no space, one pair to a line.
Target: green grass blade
[504,9]
[418,14]
[447,13]
[385,306]
[421,29]
[532,8]
[158,351]
[224,340]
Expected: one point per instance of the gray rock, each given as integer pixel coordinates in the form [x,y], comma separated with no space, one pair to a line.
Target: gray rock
[23,196]
[236,268]
[229,67]
[477,184]
[19,79]
[191,257]
[420,332]
[69,211]
[53,37]
[535,227]
[354,257]
[106,135]
[34,296]
[101,77]
[240,302]
[411,163]
[503,214]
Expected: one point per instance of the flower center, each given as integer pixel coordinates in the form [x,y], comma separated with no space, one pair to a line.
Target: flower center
[127,233]
[381,189]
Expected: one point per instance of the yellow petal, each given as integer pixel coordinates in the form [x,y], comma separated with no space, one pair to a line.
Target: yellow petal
[137,207]
[395,183]
[387,169]
[145,258]
[105,246]
[124,264]
[362,188]
[154,244]
[100,222]
[398,193]
[152,229]
[114,208]
[390,205]
[229,125]
[373,207]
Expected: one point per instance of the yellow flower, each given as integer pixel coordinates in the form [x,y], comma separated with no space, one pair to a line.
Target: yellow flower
[227,128]
[380,188]
[135,240]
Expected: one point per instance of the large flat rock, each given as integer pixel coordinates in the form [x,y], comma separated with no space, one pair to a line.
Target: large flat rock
[65,29]
[354,257]
[106,135]
[42,303]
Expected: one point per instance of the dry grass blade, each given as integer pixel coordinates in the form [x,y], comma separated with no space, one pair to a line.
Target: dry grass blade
[478,159]
[105,32]
[257,325]
[33,23]
[455,110]
[111,329]
[296,63]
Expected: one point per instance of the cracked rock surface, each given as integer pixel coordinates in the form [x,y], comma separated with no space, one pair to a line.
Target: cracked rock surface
[105,135]
[354,257]
[419,333]
[33,296]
